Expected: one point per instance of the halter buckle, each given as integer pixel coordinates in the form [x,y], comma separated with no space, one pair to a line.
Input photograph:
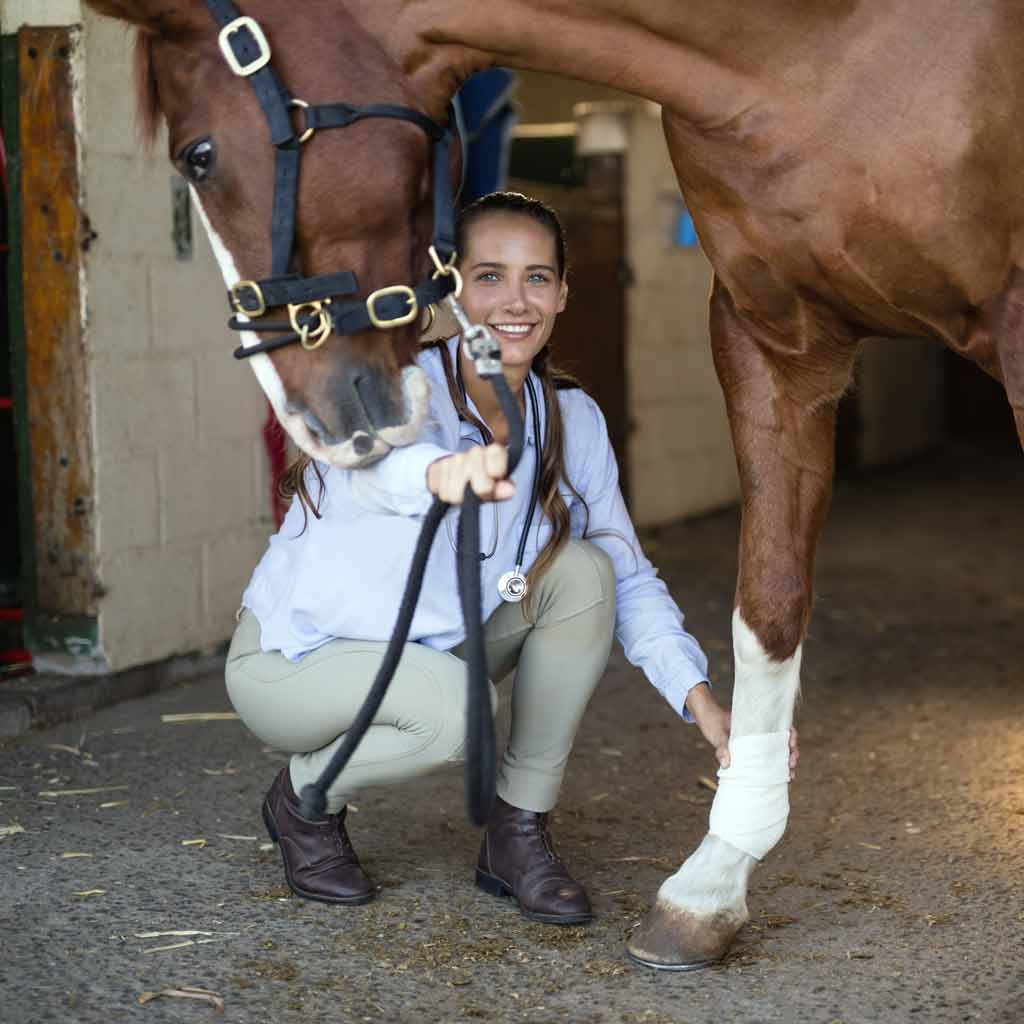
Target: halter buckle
[235,298]
[311,337]
[403,318]
[258,62]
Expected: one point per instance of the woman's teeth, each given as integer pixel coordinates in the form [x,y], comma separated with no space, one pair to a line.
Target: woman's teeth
[513,328]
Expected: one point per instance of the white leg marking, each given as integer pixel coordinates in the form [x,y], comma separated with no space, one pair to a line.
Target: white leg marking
[714,878]
[415,385]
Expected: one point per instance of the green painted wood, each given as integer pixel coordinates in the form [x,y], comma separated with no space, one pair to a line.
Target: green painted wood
[16,318]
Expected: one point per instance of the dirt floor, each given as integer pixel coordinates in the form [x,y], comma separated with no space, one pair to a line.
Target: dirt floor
[895,896]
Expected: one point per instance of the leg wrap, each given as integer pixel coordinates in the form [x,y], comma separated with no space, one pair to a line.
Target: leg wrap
[752,803]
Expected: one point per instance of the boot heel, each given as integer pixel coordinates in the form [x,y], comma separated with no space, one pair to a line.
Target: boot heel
[269,822]
[491,885]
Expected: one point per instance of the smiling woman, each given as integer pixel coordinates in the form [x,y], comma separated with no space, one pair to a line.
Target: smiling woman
[317,612]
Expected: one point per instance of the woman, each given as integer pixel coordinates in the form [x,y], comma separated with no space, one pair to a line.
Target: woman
[322,601]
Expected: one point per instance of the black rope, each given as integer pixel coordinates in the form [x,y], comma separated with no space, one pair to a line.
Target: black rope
[481,754]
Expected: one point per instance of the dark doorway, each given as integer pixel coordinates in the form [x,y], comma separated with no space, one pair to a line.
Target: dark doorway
[589,341]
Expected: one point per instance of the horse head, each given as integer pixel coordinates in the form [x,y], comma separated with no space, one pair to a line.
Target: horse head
[363,208]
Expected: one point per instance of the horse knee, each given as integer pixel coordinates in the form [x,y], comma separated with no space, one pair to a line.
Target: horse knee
[776,616]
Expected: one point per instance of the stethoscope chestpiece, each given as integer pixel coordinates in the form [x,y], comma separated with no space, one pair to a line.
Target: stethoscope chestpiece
[512,586]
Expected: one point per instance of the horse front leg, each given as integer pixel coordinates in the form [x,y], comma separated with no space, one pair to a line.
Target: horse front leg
[782,415]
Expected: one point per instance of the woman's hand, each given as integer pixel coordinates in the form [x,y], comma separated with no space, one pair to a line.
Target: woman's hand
[484,469]
[715,722]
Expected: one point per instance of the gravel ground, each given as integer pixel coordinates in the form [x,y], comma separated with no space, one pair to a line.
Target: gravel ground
[895,895]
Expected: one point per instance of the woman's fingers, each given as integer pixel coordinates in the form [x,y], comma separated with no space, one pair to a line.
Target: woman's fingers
[496,461]
[482,469]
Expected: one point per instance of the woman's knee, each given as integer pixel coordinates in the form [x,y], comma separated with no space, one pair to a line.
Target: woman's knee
[452,747]
[581,577]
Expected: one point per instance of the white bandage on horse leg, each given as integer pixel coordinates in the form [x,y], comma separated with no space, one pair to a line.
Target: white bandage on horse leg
[752,803]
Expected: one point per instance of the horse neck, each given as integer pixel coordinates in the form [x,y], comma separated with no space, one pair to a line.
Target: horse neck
[704,61]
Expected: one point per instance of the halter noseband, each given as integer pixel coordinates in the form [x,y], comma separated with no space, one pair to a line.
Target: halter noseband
[313,315]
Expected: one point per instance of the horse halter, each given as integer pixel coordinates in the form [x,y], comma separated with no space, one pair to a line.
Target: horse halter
[313,313]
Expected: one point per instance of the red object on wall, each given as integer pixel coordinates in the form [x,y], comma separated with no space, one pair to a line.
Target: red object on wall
[277,456]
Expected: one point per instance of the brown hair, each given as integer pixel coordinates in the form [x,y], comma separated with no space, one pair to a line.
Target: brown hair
[550,502]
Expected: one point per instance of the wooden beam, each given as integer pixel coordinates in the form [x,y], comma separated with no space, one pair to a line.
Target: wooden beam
[56,372]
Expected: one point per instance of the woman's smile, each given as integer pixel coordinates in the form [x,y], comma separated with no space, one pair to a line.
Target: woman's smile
[514,285]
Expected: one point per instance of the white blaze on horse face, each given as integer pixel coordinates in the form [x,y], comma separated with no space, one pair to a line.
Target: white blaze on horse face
[415,386]
[751,807]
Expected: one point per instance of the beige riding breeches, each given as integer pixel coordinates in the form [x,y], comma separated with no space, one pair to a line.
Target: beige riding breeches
[305,707]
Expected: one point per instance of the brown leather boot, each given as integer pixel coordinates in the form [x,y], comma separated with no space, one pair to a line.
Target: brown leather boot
[319,861]
[518,860]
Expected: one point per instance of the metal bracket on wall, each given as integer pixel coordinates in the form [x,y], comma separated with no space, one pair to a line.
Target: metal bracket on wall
[181,219]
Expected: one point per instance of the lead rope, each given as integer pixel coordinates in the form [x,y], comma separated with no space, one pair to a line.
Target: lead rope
[479,345]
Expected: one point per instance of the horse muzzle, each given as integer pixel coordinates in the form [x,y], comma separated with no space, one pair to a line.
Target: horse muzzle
[360,417]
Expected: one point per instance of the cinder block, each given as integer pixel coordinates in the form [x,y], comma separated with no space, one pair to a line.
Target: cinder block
[110,115]
[127,503]
[231,401]
[228,564]
[143,404]
[189,302]
[128,202]
[206,492]
[681,460]
[117,307]
[153,604]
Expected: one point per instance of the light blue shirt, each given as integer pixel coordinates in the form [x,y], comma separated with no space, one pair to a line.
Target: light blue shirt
[344,574]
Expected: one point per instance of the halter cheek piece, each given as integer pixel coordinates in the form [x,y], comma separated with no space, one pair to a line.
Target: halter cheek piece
[313,312]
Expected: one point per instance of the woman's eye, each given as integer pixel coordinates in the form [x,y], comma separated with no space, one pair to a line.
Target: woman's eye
[199,159]
[539,278]
[487,275]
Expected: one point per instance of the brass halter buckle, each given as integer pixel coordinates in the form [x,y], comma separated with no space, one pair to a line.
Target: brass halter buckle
[258,62]
[236,299]
[311,337]
[403,318]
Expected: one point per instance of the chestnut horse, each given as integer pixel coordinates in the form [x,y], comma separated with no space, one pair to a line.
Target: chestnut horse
[851,168]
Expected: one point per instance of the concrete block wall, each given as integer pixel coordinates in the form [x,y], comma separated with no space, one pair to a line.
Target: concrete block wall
[182,480]
[182,488]
[680,453]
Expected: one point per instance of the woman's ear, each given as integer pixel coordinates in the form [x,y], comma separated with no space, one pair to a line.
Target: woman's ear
[563,295]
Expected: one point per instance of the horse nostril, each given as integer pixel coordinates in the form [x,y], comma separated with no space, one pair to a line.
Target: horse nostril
[362,444]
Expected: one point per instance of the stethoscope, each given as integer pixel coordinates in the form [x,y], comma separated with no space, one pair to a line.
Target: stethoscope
[512,585]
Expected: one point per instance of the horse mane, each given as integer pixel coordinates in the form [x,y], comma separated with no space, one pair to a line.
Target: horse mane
[147,98]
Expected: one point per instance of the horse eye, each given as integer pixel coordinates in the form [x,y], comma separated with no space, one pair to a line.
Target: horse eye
[199,159]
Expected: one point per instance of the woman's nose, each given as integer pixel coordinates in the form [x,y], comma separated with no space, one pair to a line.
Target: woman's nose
[515,300]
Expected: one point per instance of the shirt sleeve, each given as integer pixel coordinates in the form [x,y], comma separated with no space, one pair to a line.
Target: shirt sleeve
[398,483]
[648,622]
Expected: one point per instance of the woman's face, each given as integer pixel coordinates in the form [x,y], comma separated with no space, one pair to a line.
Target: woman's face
[511,283]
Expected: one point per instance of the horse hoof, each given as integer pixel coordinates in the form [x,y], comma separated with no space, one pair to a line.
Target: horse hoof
[672,939]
